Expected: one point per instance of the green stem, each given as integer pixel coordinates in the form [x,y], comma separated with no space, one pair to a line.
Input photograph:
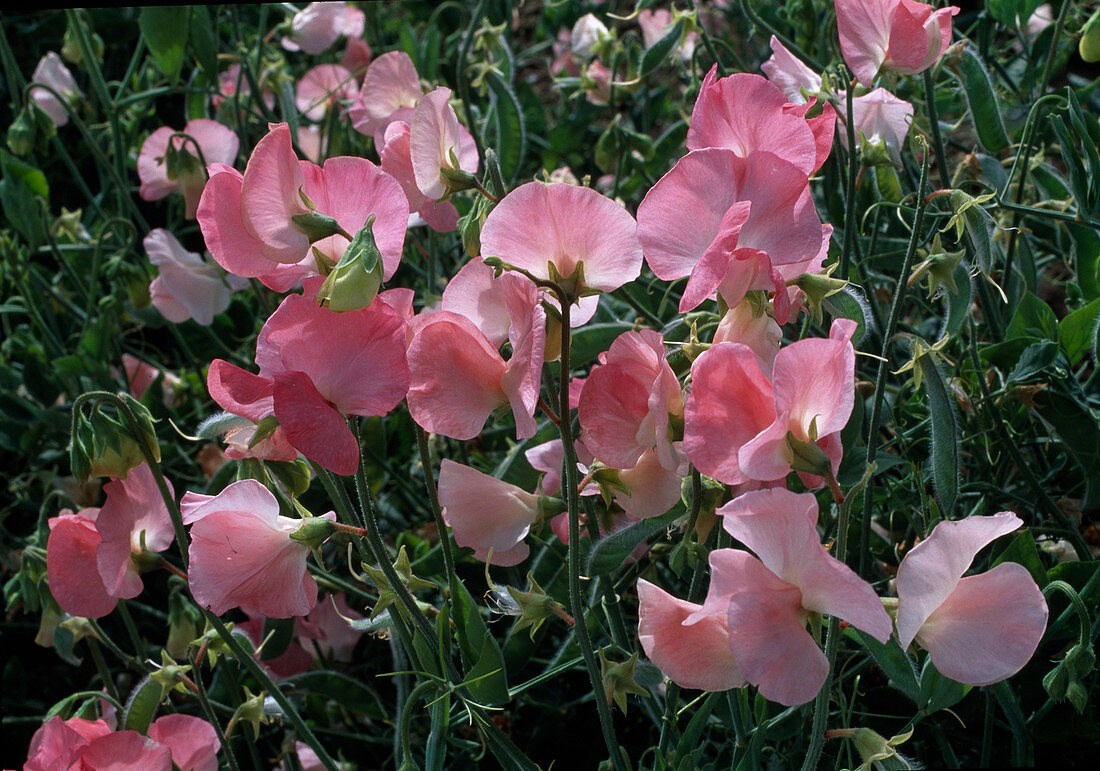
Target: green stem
[576,599]
[101,667]
[934,120]
[809,61]
[211,716]
[884,362]
[437,511]
[405,728]
[1054,40]
[853,172]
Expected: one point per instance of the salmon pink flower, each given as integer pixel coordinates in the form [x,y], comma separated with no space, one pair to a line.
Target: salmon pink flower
[326,365]
[537,226]
[745,112]
[881,119]
[71,565]
[458,377]
[979,629]
[628,402]
[52,72]
[439,144]
[163,170]
[441,216]
[192,741]
[336,637]
[769,597]
[316,27]
[692,655]
[133,522]
[656,23]
[737,422]
[754,223]
[188,287]
[59,743]
[787,71]
[486,513]
[903,36]
[242,555]
[251,398]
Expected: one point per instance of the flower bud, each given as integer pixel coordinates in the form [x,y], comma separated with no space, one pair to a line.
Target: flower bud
[816,287]
[588,35]
[1089,45]
[355,280]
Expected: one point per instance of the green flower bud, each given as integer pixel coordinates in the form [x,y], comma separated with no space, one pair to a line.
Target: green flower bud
[355,280]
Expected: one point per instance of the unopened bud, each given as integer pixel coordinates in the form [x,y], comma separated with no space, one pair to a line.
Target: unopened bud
[816,287]
[354,282]
[317,226]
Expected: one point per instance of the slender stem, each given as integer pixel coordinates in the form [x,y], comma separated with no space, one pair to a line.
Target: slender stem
[884,362]
[853,171]
[576,599]
[437,510]
[1054,40]
[101,667]
[211,716]
[934,120]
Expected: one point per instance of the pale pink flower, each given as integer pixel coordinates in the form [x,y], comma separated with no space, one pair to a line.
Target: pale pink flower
[655,24]
[597,82]
[316,27]
[396,156]
[140,375]
[436,141]
[1042,18]
[486,513]
[322,88]
[744,112]
[187,287]
[588,32]
[903,36]
[881,119]
[391,89]
[568,227]
[233,81]
[769,597]
[71,565]
[251,397]
[760,332]
[242,554]
[692,655]
[192,741]
[979,629]
[215,144]
[134,520]
[787,71]
[356,58]
[52,72]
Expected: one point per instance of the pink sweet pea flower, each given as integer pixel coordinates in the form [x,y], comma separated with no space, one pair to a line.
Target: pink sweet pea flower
[140,375]
[548,457]
[656,23]
[628,400]
[192,741]
[71,565]
[979,629]
[391,89]
[216,144]
[880,118]
[692,655]
[435,137]
[761,333]
[485,513]
[770,597]
[356,59]
[52,72]
[233,81]
[316,27]
[326,365]
[787,71]
[59,743]
[323,87]
[753,216]
[253,398]
[188,287]
[736,421]
[242,554]
[745,112]
[458,377]
[396,156]
[124,751]
[567,227]
[651,488]
[903,36]
[133,521]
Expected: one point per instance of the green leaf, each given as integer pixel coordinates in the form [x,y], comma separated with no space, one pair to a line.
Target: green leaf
[1092,158]
[1078,179]
[982,100]
[659,51]
[1033,317]
[350,692]
[958,305]
[204,41]
[1077,332]
[487,680]
[24,198]
[511,127]
[1005,355]
[610,551]
[165,29]
[937,691]
[142,705]
[1035,359]
[1022,551]
[470,627]
[1086,252]
[693,734]
[945,435]
[893,660]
